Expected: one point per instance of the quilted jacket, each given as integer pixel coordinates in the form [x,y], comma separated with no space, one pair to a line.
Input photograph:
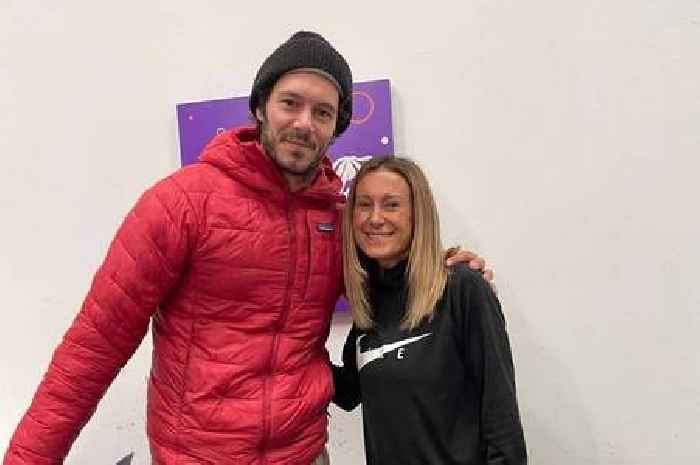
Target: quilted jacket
[239,277]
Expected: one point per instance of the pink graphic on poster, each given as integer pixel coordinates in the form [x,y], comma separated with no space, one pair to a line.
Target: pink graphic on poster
[369,134]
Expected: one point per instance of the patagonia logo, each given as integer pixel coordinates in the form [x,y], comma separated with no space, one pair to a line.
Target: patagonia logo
[325,227]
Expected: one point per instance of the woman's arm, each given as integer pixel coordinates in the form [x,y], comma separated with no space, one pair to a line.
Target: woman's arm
[346,378]
[491,361]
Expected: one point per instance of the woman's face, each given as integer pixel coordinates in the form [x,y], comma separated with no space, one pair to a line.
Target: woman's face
[381,218]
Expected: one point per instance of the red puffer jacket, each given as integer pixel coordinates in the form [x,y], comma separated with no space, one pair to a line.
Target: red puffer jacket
[240,276]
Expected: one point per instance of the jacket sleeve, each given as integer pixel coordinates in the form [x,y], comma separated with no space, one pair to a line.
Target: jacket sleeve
[144,260]
[346,378]
[491,362]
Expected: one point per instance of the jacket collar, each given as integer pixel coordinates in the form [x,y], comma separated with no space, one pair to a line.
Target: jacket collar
[238,153]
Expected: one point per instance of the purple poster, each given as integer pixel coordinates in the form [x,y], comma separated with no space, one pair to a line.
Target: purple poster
[368,135]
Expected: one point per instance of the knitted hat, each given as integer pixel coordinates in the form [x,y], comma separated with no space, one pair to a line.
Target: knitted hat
[311,51]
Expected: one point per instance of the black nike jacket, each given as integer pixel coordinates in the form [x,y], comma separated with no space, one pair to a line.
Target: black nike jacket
[442,394]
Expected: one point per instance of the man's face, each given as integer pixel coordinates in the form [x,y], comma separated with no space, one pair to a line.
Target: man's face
[298,124]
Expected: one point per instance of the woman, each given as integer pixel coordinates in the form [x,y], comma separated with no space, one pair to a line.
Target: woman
[428,355]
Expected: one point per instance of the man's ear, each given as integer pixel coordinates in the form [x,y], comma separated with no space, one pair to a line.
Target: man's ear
[259,115]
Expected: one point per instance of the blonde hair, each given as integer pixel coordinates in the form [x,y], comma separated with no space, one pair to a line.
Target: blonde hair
[426,273]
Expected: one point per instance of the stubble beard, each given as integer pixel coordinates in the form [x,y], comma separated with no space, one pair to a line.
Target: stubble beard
[270,143]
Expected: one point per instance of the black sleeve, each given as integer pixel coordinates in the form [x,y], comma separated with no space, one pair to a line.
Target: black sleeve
[488,351]
[346,378]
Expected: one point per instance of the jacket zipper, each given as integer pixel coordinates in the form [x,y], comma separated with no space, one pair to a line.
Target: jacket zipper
[291,232]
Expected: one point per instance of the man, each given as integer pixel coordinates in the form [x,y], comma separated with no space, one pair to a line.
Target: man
[237,260]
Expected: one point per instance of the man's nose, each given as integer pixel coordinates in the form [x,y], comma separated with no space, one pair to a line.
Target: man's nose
[303,119]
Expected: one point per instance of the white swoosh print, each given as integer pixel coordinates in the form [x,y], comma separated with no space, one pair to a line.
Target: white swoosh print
[363,358]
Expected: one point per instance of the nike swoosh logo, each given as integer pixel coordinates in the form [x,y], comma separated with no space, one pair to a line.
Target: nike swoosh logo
[363,358]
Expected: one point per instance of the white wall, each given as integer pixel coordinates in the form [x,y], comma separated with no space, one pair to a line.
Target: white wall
[561,138]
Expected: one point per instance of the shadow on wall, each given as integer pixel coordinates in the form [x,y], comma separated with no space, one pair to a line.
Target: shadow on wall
[555,421]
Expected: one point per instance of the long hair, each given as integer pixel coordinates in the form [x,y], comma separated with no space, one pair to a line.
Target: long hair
[426,273]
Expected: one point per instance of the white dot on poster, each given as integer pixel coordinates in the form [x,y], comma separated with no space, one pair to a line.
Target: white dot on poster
[384,140]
